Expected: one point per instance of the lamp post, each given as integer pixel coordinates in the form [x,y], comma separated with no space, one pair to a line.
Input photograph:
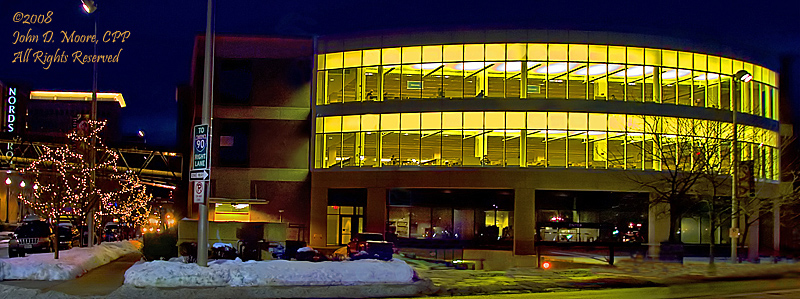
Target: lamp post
[208,100]
[89,6]
[8,196]
[740,76]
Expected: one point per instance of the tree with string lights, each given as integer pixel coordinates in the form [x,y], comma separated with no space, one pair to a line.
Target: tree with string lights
[63,176]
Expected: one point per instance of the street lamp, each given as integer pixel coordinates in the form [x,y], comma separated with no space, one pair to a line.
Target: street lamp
[90,6]
[740,76]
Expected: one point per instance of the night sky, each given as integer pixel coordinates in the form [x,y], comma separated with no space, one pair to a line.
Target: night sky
[155,58]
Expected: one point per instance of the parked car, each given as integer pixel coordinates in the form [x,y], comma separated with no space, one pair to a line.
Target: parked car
[112,232]
[68,236]
[31,236]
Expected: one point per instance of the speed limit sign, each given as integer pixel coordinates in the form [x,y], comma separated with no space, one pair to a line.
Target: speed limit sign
[199,192]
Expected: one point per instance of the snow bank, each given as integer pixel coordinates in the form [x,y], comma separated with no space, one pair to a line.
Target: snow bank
[69,265]
[268,273]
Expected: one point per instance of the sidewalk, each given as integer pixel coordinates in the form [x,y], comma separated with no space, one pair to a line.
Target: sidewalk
[100,281]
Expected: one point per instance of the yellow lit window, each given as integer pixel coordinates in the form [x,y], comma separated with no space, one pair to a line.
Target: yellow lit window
[516,51]
[495,52]
[537,120]
[390,122]
[578,52]
[333,124]
[495,120]
[451,120]
[334,60]
[578,121]
[351,123]
[515,120]
[473,120]
[370,122]
[431,54]
[372,57]
[412,55]
[616,122]
[557,52]
[557,120]
[635,55]
[685,60]
[616,54]
[700,62]
[431,120]
[391,56]
[410,121]
[454,53]
[598,122]
[669,58]
[473,52]
[537,51]
[598,53]
[352,59]
[652,57]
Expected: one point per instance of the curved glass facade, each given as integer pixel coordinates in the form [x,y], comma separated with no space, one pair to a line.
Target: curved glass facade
[544,71]
[536,139]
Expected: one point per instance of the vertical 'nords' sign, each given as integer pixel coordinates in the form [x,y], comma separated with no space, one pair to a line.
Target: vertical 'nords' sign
[14,112]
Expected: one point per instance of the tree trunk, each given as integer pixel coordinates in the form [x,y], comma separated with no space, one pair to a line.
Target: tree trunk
[674,226]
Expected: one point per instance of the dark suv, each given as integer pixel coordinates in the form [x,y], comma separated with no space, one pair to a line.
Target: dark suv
[31,236]
[68,236]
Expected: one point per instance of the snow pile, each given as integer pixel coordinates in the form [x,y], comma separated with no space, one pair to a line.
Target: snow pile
[69,265]
[268,273]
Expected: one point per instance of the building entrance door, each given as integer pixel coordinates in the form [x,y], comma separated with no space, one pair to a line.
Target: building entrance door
[348,225]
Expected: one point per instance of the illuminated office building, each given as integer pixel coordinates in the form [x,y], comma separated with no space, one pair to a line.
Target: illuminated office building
[502,135]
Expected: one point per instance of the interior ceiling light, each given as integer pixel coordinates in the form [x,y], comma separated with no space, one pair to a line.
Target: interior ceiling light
[598,69]
[672,74]
[426,66]
[555,68]
[709,76]
[469,66]
[635,71]
[513,66]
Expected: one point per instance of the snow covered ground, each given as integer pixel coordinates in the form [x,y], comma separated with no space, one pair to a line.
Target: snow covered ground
[268,273]
[70,264]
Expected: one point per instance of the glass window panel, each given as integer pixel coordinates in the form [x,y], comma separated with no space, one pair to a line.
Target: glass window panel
[372,57]
[616,150]
[635,123]
[511,143]
[699,89]
[556,148]
[634,151]
[349,144]
[351,89]
[535,148]
[409,148]
[352,58]
[451,147]
[495,79]
[652,57]
[557,52]
[333,150]
[513,78]
[391,82]
[431,120]
[635,55]
[371,149]
[473,120]
[578,52]
[334,60]
[578,121]
[411,82]
[474,145]
[322,87]
[598,53]
[453,81]
[616,54]
[473,52]
[431,54]
[453,53]
[319,151]
[649,150]
[371,83]
[412,55]
[577,82]
[556,78]
[410,121]
[536,81]
[617,122]
[669,58]
[391,56]
[516,51]
[557,120]
[713,64]
[757,73]
[351,123]
[597,149]
[473,79]
[598,122]
[669,79]
[390,147]
[515,120]
[537,52]
[684,88]
[320,124]
[700,62]
[495,151]
[333,124]
[451,120]
[537,120]
[725,65]
[332,235]
[495,120]
[495,52]
[321,62]
[616,83]
[713,90]
[390,122]
[736,66]
[432,80]
[576,144]
[431,148]
[634,89]
[652,86]
[685,60]
[334,88]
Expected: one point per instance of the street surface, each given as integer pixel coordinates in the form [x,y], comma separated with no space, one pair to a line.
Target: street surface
[764,288]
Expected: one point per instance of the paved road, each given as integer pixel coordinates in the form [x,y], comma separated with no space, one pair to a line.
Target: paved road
[101,281]
[765,288]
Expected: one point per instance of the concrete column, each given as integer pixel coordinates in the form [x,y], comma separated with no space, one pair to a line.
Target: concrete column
[776,230]
[318,226]
[523,145]
[657,226]
[523,82]
[752,240]
[375,214]
[524,221]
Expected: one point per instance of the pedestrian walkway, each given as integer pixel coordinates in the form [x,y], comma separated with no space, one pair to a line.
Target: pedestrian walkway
[100,281]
